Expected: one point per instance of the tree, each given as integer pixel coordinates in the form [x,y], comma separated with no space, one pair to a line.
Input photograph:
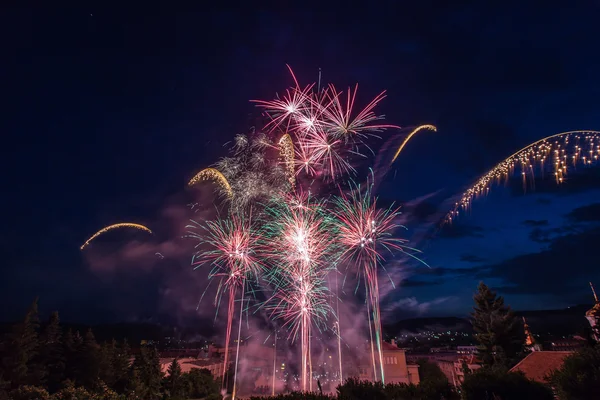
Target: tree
[121,367]
[52,353]
[433,382]
[146,375]
[488,383]
[174,381]
[106,363]
[579,376]
[151,373]
[22,349]
[200,383]
[91,361]
[496,329]
[71,351]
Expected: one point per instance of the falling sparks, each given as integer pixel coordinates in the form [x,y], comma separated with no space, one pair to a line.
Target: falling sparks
[556,152]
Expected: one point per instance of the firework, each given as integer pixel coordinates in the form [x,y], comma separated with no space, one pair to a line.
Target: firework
[254,172]
[324,126]
[230,247]
[300,246]
[287,152]
[363,232]
[556,152]
[409,136]
[111,227]
[213,174]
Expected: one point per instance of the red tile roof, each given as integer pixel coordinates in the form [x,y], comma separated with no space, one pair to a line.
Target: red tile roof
[540,364]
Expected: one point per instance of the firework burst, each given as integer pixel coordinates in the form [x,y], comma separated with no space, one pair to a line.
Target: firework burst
[363,232]
[230,247]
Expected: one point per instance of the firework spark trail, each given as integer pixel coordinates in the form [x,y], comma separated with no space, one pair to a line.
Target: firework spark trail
[409,136]
[213,175]
[561,149]
[300,244]
[230,246]
[324,126]
[114,226]
[363,230]
[287,152]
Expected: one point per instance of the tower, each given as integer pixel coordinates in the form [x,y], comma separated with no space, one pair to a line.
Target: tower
[530,343]
[593,316]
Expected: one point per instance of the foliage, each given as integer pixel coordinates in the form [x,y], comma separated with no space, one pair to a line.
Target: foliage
[52,353]
[496,329]
[27,392]
[199,383]
[295,396]
[579,376]
[436,387]
[173,382]
[489,383]
[22,348]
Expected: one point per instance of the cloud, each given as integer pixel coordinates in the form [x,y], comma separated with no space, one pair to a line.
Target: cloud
[535,223]
[410,306]
[589,213]
[460,230]
[562,269]
[471,258]
[419,283]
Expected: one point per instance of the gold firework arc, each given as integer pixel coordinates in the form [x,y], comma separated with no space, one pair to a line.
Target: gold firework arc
[586,151]
[287,153]
[410,135]
[213,174]
[114,226]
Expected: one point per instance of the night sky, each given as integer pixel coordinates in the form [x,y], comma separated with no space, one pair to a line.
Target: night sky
[108,112]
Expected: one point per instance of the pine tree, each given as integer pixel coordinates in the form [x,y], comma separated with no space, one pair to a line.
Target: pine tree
[106,363]
[496,329]
[91,361]
[74,361]
[22,349]
[151,373]
[121,366]
[173,382]
[52,353]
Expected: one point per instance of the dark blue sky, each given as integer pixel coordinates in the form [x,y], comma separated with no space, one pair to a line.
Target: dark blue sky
[108,112]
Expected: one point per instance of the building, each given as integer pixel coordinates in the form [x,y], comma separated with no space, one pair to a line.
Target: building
[187,364]
[540,364]
[466,350]
[395,367]
[454,369]
[593,316]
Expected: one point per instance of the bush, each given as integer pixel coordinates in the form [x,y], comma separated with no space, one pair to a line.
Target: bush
[295,396]
[487,383]
[579,377]
[30,393]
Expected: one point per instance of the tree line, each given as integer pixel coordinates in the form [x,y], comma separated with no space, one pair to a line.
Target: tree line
[51,363]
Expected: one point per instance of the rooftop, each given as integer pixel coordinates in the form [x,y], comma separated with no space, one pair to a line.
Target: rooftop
[539,364]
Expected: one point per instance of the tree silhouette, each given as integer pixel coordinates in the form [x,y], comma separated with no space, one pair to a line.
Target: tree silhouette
[52,353]
[496,329]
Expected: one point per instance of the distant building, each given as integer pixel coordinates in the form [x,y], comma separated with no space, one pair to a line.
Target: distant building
[395,366]
[466,350]
[434,357]
[215,366]
[593,315]
[540,364]
[569,344]
[455,369]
